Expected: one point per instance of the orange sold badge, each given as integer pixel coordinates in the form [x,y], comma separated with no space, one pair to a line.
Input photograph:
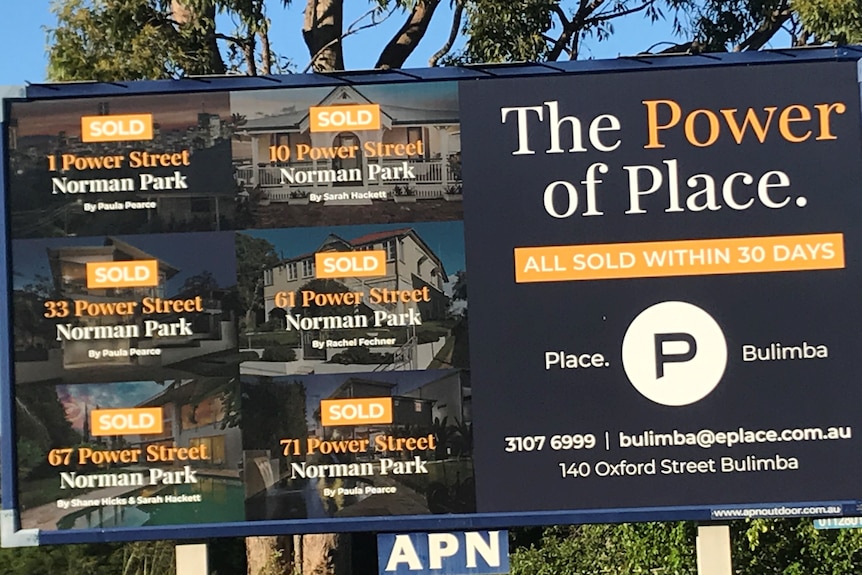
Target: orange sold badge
[338,118]
[356,411]
[132,421]
[350,264]
[135,273]
[117,128]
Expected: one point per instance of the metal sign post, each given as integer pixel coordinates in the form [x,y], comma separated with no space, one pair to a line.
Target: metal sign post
[192,559]
[713,550]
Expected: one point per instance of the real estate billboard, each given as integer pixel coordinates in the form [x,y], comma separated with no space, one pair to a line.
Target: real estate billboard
[241,310]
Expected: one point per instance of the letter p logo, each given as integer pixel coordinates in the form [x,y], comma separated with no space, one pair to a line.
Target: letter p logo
[674,353]
[661,357]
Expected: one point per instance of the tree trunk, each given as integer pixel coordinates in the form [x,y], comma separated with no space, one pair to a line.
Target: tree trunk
[323,554]
[405,41]
[322,31]
[269,555]
[326,554]
[208,60]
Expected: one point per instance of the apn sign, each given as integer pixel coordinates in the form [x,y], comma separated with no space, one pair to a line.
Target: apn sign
[457,553]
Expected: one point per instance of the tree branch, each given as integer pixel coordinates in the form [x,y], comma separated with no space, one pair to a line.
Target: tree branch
[453,34]
[353,28]
[573,27]
[764,33]
[322,32]
[399,48]
[611,15]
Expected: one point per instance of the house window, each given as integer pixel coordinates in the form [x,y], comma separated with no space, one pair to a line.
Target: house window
[291,272]
[214,446]
[267,277]
[391,247]
[401,251]
[307,268]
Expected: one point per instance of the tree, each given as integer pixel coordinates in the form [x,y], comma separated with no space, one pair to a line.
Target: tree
[627,548]
[253,256]
[759,546]
[134,39]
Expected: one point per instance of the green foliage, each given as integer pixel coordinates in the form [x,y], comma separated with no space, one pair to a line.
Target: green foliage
[108,40]
[360,355]
[281,406]
[143,558]
[253,256]
[795,547]
[507,31]
[278,354]
[129,39]
[832,20]
[627,548]
[759,547]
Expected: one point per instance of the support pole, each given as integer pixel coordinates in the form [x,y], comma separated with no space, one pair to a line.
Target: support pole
[192,559]
[713,550]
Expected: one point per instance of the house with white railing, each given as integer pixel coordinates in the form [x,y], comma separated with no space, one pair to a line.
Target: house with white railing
[279,153]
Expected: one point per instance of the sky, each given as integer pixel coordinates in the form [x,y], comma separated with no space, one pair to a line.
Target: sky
[23,38]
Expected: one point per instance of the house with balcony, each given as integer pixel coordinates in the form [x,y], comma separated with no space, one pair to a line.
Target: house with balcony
[273,152]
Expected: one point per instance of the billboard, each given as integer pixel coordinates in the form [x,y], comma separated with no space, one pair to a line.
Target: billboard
[241,310]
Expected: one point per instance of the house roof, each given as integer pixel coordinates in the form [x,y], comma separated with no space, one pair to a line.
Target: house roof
[346,389]
[294,118]
[110,248]
[378,236]
[372,238]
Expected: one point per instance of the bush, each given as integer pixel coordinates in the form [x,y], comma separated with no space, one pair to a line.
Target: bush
[279,354]
[360,355]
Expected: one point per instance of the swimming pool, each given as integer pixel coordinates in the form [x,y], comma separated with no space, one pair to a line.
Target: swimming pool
[221,501]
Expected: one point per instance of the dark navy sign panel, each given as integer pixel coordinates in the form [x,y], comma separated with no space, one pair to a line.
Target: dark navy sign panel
[455,553]
[572,419]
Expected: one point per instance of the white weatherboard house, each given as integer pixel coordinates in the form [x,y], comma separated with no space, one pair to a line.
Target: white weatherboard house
[433,171]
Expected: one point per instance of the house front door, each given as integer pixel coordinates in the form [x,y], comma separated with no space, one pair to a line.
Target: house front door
[350,140]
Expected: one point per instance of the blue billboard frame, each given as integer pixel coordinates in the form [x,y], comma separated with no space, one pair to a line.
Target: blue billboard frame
[11,535]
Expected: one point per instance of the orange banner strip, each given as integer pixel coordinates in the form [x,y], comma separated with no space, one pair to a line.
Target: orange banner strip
[680,258]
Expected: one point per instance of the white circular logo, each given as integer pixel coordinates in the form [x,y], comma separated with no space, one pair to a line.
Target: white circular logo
[674,353]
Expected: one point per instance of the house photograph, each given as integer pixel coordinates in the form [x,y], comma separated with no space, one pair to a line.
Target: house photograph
[54,168]
[68,330]
[74,476]
[378,476]
[408,315]
[395,150]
